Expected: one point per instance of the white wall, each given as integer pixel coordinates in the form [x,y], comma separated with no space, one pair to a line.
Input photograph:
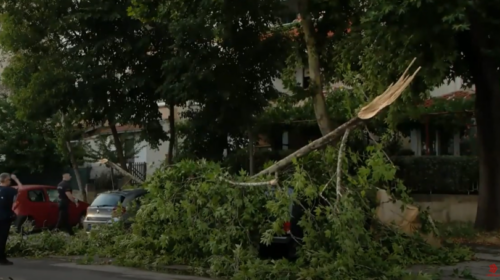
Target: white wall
[299,77]
[449,87]
[98,169]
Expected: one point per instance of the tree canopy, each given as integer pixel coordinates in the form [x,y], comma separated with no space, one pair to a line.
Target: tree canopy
[26,145]
[450,40]
[85,55]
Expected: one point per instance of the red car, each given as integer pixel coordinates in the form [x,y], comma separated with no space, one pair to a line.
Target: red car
[39,205]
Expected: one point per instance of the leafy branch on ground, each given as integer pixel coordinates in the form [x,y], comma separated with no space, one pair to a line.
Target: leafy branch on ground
[192,217]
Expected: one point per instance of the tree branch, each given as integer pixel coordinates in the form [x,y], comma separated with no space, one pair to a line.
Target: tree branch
[273,182]
[367,112]
[314,145]
[339,163]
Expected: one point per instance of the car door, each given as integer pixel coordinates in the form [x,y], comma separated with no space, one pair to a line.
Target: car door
[38,207]
[53,211]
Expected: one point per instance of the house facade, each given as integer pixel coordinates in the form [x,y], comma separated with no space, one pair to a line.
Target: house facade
[425,138]
[438,140]
[151,157]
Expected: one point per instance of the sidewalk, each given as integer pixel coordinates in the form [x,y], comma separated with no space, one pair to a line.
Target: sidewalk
[28,269]
[479,268]
[486,258]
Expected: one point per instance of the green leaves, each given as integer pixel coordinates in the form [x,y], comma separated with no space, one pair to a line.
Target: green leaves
[89,57]
[25,145]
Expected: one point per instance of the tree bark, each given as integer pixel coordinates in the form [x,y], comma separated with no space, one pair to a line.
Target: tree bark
[118,145]
[316,84]
[314,145]
[74,165]
[485,76]
[171,144]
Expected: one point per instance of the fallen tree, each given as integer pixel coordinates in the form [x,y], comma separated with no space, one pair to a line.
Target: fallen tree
[367,112]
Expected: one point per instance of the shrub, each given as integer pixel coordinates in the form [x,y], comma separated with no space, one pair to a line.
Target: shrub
[439,174]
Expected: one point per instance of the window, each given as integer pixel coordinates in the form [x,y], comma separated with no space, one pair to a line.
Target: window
[36,196]
[53,195]
[108,200]
[468,141]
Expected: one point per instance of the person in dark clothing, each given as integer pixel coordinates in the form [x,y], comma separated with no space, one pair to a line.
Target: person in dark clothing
[65,198]
[7,197]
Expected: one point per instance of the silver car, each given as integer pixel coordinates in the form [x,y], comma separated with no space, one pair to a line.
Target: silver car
[112,206]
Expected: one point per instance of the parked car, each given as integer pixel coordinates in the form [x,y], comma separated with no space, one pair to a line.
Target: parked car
[287,243]
[112,206]
[39,206]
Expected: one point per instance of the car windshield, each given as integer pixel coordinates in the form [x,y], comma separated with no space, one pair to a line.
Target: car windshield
[107,200]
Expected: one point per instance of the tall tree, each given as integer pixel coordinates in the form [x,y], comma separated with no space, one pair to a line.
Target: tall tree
[450,40]
[86,55]
[222,64]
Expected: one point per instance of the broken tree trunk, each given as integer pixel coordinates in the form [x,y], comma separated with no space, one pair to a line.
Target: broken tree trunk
[74,165]
[316,144]
[72,159]
[369,111]
[121,170]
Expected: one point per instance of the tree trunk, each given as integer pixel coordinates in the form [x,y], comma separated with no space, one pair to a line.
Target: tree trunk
[171,144]
[329,138]
[316,84]
[74,165]
[72,159]
[485,76]
[118,145]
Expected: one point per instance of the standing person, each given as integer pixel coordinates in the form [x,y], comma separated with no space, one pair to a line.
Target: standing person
[7,196]
[65,198]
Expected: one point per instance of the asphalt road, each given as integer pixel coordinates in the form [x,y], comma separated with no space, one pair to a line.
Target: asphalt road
[24,269]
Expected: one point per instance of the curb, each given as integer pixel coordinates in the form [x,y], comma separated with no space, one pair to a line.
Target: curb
[109,261]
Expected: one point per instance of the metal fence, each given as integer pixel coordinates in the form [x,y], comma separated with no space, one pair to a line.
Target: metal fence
[138,169]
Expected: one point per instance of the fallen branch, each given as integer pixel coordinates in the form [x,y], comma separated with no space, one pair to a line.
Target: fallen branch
[120,170]
[367,112]
[339,164]
[372,137]
[314,145]
[273,182]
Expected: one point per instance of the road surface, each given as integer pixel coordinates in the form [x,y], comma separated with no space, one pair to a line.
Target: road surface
[24,269]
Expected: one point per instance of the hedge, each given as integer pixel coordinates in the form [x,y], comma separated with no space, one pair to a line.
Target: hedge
[439,174]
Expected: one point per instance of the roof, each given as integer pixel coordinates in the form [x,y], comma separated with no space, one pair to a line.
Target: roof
[460,94]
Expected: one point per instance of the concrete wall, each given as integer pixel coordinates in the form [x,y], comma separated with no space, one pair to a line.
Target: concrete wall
[448,208]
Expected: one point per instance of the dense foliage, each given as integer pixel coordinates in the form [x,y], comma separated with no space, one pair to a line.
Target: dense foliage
[195,215]
[455,42]
[25,146]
